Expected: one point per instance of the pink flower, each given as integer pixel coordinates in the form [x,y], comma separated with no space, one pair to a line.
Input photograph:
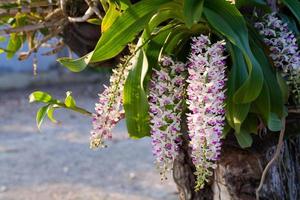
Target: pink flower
[166,94]
[206,104]
[109,109]
[284,50]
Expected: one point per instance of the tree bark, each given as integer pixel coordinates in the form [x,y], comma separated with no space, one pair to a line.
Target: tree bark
[239,170]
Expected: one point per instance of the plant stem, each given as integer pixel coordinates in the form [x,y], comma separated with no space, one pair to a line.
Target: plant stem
[75,109]
[276,155]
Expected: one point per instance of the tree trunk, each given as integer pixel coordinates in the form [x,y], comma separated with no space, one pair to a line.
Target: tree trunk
[239,170]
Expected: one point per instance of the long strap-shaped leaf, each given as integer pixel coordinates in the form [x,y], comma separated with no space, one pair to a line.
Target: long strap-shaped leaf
[135,95]
[294,6]
[120,33]
[236,113]
[192,11]
[228,21]
[135,99]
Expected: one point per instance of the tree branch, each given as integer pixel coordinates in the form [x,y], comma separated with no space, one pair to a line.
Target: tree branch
[32,27]
[25,55]
[90,11]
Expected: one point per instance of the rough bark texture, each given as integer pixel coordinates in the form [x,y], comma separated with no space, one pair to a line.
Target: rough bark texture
[239,170]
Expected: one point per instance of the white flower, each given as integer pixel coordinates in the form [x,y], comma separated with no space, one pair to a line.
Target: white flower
[109,109]
[283,50]
[166,94]
[206,97]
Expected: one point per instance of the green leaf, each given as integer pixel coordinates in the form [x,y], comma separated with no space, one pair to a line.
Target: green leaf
[294,6]
[135,98]
[110,17]
[236,113]
[154,47]
[274,123]
[14,44]
[164,14]
[40,115]
[2,39]
[242,3]
[283,87]
[271,89]
[95,21]
[262,105]
[291,22]
[120,33]
[76,65]
[40,96]
[192,10]
[21,19]
[244,139]
[153,52]
[228,21]
[123,4]
[227,128]
[178,35]
[50,114]
[251,123]
[125,28]
[69,101]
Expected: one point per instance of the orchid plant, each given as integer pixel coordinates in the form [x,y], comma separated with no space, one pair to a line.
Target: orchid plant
[200,63]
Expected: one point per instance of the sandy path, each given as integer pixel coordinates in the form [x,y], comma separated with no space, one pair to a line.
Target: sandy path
[58,164]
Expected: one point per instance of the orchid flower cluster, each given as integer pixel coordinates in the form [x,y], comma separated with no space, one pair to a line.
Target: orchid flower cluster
[109,109]
[165,99]
[283,48]
[205,101]
[206,80]
[200,83]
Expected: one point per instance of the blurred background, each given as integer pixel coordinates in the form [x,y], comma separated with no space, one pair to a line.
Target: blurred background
[56,162]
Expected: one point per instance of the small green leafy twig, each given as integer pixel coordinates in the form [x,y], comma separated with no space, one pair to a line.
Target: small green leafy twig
[52,104]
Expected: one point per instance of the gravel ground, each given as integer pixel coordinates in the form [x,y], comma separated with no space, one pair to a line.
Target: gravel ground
[57,162]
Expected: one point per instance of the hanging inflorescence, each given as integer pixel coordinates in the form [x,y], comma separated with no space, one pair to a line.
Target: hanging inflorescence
[199,83]
[109,109]
[205,101]
[284,50]
[165,99]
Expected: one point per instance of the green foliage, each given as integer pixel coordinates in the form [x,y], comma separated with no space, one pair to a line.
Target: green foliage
[244,139]
[256,93]
[274,123]
[111,15]
[14,44]
[192,10]
[236,113]
[227,20]
[259,3]
[294,6]
[122,32]
[40,96]
[25,21]
[69,101]
[135,98]
[40,115]
[95,21]
[53,104]
[50,113]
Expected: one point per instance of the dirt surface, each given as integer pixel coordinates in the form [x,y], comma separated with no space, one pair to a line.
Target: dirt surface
[58,164]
